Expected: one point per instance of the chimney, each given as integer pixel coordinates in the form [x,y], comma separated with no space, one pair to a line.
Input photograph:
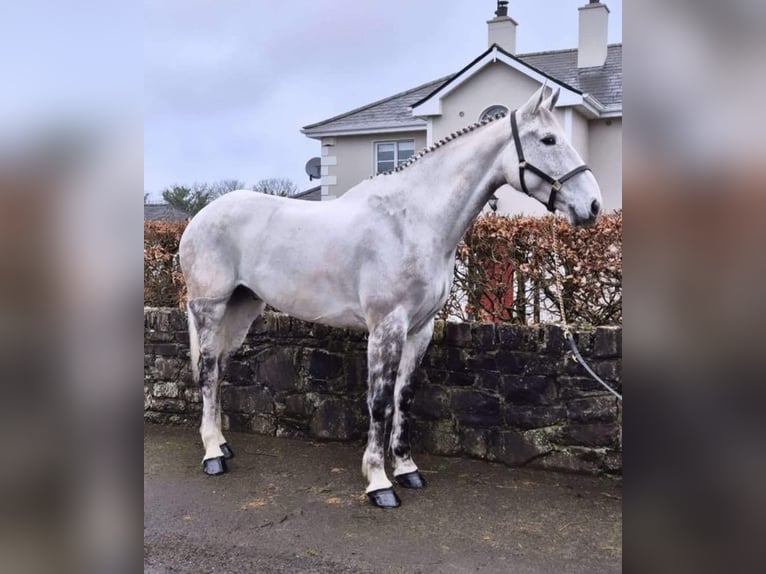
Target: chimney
[502,28]
[594,24]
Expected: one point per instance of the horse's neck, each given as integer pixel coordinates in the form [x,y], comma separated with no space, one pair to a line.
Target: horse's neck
[458,179]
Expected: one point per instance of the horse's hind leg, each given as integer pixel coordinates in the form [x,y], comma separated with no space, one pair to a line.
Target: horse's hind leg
[384,349]
[205,331]
[241,310]
[405,471]
[217,329]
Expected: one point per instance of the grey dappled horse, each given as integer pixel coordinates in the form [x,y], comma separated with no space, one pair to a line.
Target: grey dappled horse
[378,258]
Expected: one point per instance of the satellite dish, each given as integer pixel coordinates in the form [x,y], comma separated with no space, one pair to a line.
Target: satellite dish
[314,168]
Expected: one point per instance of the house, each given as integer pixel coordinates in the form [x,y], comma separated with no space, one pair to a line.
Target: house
[163,212]
[380,135]
[311,194]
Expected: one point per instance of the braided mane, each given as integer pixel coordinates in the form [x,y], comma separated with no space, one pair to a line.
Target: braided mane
[440,143]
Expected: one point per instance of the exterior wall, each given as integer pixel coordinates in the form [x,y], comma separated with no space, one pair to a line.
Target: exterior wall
[605,159]
[347,160]
[500,392]
[495,84]
[580,137]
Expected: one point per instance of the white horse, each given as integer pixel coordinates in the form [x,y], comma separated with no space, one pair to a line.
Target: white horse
[378,258]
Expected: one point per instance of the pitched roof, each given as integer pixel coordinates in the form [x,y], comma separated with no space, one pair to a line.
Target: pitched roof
[310,194]
[390,112]
[163,212]
[603,83]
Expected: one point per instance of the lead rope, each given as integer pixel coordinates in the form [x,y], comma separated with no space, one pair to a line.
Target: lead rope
[560,297]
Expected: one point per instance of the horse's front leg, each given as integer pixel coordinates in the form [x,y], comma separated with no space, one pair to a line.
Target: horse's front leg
[405,471]
[384,350]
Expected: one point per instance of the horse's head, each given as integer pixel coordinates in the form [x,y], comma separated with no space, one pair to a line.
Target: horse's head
[543,163]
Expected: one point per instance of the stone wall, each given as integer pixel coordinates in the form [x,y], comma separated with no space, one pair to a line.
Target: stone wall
[499,392]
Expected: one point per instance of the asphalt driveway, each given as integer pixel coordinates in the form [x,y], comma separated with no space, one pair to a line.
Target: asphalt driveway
[295,506]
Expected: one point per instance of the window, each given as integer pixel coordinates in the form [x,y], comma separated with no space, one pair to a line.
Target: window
[391,154]
[492,111]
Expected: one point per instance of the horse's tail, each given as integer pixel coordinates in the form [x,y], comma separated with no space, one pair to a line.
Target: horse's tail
[193,343]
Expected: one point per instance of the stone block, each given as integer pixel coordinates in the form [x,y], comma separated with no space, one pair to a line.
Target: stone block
[162,349]
[457,379]
[473,442]
[589,434]
[167,405]
[511,362]
[510,337]
[577,387]
[333,420]
[536,364]
[455,359]
[193,396]
[592,409]
[301,405]
[276,367]
[607,342]
[239,373]
[533,417]
[481,361]
[239,422]
[610,370]
[483,336]
[517,448]
[584,342]
[552,340]
[436,437]
[249,400]
[528,389]
[458,334]
[324,365]
[167,368]
[166,390]
[438,335]
[263,424]
[430,403]
[475,409]
[570,460]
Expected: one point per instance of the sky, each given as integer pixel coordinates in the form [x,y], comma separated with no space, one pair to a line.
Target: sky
[229,84]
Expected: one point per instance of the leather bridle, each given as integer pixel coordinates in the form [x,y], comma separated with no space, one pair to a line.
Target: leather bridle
[524,165]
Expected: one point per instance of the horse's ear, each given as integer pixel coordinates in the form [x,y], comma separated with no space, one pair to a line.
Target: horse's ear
[533,103]
[550,103]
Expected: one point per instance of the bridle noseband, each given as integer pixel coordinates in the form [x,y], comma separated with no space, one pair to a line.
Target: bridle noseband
[525,165]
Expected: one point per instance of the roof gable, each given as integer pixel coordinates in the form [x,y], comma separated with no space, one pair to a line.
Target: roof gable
[429,105]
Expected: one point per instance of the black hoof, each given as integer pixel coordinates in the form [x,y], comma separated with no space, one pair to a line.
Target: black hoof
[411,480]
[214,466]
[226,450]
[384,498]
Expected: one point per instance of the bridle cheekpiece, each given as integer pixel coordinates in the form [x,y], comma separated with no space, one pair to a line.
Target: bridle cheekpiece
[524,165]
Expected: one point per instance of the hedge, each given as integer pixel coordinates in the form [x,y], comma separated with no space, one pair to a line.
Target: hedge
[503,271]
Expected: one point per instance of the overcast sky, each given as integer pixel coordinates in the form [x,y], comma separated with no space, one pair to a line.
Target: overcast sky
[229,84]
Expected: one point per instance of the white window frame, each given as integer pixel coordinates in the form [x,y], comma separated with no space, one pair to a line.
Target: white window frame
[481,115]
[396,143]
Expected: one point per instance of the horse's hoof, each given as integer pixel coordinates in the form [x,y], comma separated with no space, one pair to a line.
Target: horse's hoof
[411,480]
[384,498]
[226,450]
[214,466]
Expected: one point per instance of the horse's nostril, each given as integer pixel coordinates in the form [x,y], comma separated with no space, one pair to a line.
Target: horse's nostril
[595,207]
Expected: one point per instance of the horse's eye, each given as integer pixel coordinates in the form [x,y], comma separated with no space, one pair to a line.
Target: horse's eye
[549,140]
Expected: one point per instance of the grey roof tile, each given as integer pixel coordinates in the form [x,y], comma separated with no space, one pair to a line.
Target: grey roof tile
[163,212]
[603,83]
[311,194]
[389,112]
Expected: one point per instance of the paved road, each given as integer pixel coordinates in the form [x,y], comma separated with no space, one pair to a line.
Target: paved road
[294,506]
